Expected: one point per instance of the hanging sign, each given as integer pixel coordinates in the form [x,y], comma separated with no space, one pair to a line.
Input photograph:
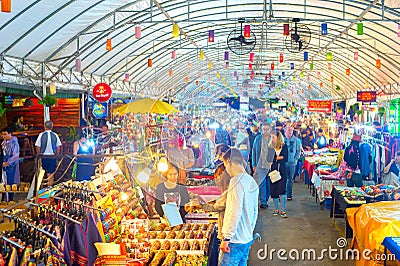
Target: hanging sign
[320,106]
[102,92]
[366,96]
[99,110]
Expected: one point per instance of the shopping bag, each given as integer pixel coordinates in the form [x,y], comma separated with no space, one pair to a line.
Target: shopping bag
[275,176]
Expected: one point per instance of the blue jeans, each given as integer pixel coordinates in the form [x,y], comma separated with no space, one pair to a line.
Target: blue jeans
[263,185]
[290,168]
[283,199]
[238,255]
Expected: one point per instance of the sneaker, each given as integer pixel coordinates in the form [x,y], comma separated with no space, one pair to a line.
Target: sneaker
[263,206]
[284,215]
[275,213]
[289,198]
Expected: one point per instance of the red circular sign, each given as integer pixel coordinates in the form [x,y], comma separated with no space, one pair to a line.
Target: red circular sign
[102,92]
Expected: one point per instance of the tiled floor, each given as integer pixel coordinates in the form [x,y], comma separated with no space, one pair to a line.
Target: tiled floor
[307,228]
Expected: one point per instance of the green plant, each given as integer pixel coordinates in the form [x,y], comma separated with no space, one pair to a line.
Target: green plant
[72,134]
[358,112]
[49,100]
[381,111]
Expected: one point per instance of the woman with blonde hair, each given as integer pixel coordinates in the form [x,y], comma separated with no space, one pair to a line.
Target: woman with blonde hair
[278,189]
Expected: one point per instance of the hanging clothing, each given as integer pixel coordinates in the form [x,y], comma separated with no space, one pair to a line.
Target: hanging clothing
[85,168]
[365,156]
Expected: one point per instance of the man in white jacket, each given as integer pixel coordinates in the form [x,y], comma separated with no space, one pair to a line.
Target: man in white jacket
[241,211]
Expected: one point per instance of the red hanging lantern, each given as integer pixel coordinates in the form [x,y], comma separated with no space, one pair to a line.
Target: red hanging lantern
[138,32]
[250,66]
[187,80]
[331,78]
[348,71]
[378,63]
[170,73]
[270,74]
[329,66]
[286,29]
[247,31]
[280,58]
[173,55]
[197,83]
[6,6]
[251,57]
[272,66]
[108,44]
[149,62]
[320,84]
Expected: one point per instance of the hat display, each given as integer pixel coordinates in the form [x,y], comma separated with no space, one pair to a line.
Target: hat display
[356,137]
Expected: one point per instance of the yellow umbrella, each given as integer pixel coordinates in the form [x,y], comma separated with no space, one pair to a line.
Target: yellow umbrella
[146,105]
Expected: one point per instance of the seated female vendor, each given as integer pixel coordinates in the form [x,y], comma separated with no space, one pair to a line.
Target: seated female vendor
[171,192]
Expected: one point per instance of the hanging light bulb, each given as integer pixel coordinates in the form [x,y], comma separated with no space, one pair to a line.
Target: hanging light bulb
[175,30]
[108,44]
[138,32]
[173,55]
[6,6]
[247,31]
[366,85]
[162,165]
[201,55]
[211,36]
[226,55]
[324,29]
[52,88]
[280,58]
[127,77]
[144,175]
[78,64]
[286,29]
[149,62]
[355,56]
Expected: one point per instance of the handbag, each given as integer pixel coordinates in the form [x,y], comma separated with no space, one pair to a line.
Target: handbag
[275,176]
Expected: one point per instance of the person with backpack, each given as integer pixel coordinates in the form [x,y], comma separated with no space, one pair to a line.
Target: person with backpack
[48,143]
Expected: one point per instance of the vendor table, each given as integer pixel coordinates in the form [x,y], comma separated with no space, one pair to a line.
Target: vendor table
[324,185]
[206,193]
[393,245]
[309,168]
[339,206]
[371,224]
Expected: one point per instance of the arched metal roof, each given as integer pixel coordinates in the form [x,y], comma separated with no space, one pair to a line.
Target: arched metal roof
[40,41]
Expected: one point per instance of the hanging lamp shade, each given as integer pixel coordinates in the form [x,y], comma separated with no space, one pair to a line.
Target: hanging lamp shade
[52,88]
[227,65]
[311,66]
[348,71]
[108,44]
[286,29]
[78,64]
[366,85]
[211,36]
[127,77]
[173,55]
[308,79]
[329,56]
[246,31]
[291,66]
[138,32]
[283,74]
[149,62]
[170,72]
[201,75]
[226,55]
[156,83]
[309,86]
[175,30]
[355,56]
[197,83]
[280,58]
[360,28]
[331,78]
[272,66]
[329,66]
[301,74]
[187,79]
[305,56]
[251,57]
[320,84]
[218,75]
[324,29]
[378,63]
[250,66]
[235,74]
[201,55]
[29,103]
[270,74]
[302,90]
[223,79]
[209,65]
[189,65]
[6,6]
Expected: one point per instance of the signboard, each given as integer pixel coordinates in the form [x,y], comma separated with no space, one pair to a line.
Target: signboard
[99,110]
[366,96]
[320,106]
[102,92]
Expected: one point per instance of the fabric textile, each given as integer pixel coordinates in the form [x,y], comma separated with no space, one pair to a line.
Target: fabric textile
[291,169]
[279,188]
[263,185]
[48,141]
[11,156]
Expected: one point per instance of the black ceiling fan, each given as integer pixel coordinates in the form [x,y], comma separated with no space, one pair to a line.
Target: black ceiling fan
[299,37]
[238,44]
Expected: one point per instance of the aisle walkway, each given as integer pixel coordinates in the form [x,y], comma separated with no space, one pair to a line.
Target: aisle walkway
[308,227]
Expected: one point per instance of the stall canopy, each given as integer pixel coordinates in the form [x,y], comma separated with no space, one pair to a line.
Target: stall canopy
[207,49]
